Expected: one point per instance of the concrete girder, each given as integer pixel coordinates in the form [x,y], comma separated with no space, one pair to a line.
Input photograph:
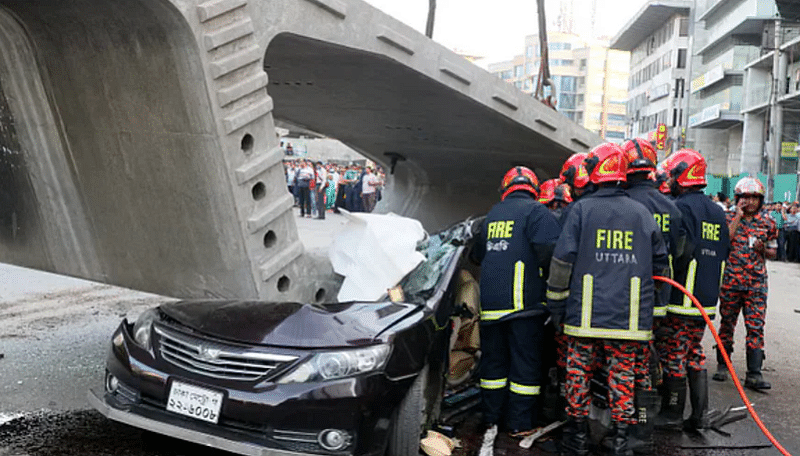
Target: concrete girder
[139,146]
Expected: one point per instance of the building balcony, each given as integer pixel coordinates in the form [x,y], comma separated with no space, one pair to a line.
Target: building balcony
[718,116]
[746,18]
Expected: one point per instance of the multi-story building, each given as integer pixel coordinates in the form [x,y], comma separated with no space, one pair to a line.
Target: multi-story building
[727,35]
[589,80]
[657,38]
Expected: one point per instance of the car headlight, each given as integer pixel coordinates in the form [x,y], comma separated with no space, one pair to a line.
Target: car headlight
[338,364]
[143,326]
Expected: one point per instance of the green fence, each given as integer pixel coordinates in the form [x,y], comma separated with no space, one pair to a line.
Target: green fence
[785,185]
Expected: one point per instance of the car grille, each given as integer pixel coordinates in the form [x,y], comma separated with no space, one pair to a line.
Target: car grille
[212,359]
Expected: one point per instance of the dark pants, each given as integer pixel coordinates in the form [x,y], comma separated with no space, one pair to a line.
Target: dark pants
[340,197]
[321,193]
[304,195]
[353,202]
[511,371]
[368,201]
[781,254]
[792,244]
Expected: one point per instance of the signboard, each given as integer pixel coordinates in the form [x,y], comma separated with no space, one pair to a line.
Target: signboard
[658,92]
[788,150]
[713,75]
[708,114]
[661,136]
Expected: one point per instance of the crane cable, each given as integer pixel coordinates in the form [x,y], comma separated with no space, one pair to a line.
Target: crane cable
[728,363]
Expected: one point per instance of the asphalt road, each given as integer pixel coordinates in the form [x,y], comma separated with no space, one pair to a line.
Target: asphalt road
[54,336]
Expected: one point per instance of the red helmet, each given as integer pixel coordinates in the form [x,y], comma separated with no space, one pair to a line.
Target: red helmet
[750,186]
[641,155]
[573,172]
[606,163]
[554,190]
[662,180]
[520,178]
[687,167]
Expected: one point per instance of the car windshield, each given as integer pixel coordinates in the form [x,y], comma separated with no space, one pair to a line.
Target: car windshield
[439,250]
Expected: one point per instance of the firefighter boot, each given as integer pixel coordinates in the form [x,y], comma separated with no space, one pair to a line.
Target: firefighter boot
[722,370]
[575,437]
[640,435]
[673,401]
[754,380]
[698,397]
[619,441]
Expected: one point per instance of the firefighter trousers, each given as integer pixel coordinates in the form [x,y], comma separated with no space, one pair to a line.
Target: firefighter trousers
[511,370]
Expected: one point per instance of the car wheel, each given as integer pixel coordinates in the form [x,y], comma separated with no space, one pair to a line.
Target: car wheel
[412,417]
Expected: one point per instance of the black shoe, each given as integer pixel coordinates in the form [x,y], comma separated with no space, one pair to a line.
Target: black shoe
[753,379]
[698,397]
[619,441]
[722,370]
[575,437]
[673,401]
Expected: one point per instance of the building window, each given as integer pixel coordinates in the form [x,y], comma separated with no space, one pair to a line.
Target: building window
[683,29]
[518,71]
[681,58]
[674,117]
[529,51]
[505,75]
[529,69]
[580,98]
[679,86]
[518,84]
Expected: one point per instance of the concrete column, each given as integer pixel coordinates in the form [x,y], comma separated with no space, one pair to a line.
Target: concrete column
[752,143]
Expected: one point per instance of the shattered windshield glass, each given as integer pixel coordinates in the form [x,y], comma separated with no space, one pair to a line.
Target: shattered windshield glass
[438,249]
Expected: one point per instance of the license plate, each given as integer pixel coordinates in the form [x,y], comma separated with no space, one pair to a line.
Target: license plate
[194,401]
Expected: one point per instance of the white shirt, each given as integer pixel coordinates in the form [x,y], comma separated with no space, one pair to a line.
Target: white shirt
[369,183]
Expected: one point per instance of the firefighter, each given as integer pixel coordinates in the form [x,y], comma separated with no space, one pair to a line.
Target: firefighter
[555,195]
[601,289]
[699,268]
[514,250]
[640,187]
[744,286]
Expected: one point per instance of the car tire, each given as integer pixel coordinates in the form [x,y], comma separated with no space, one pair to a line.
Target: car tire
[411,418]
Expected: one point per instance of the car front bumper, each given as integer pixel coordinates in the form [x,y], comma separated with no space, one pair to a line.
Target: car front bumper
[181,429]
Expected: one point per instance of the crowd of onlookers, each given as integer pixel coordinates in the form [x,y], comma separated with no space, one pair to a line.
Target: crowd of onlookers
[787,220]
[320,187]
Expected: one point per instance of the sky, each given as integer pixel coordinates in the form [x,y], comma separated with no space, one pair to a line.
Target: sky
[496,29]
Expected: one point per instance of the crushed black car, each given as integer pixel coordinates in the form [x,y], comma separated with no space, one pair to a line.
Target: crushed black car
[286,378]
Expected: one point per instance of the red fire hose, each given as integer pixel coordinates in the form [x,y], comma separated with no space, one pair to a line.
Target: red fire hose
[727,363]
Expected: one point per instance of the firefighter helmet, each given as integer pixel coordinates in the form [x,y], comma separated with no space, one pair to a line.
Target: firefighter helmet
[662,180]
[641,155]
[573,172]
[750,186]
[606,163]
[520,178]
[687,167]
[554,190]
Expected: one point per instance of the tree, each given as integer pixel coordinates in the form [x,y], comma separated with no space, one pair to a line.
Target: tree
[431,17]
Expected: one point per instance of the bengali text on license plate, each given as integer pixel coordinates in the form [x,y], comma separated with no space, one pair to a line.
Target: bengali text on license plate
[194,401]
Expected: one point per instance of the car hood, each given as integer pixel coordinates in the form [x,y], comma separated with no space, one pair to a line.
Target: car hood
[289,324]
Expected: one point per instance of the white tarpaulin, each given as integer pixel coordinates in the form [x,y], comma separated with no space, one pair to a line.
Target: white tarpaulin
[373,252]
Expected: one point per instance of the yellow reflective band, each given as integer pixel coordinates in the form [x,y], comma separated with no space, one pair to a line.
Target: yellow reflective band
[524,390]
[721,273]
[599,333]
[691,311]
[519,285]
[493,384]
[690,277]
[659,311]
[636,286]
[586,308]
[557,295]
[491,315]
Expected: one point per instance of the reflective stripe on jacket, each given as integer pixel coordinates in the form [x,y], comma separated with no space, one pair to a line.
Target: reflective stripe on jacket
[511,282]
[700,268]
[669,220]
[615,248]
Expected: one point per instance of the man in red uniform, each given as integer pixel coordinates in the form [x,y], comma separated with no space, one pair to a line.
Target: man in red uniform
[744,285]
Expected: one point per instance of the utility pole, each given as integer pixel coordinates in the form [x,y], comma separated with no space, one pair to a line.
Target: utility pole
[775,115]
